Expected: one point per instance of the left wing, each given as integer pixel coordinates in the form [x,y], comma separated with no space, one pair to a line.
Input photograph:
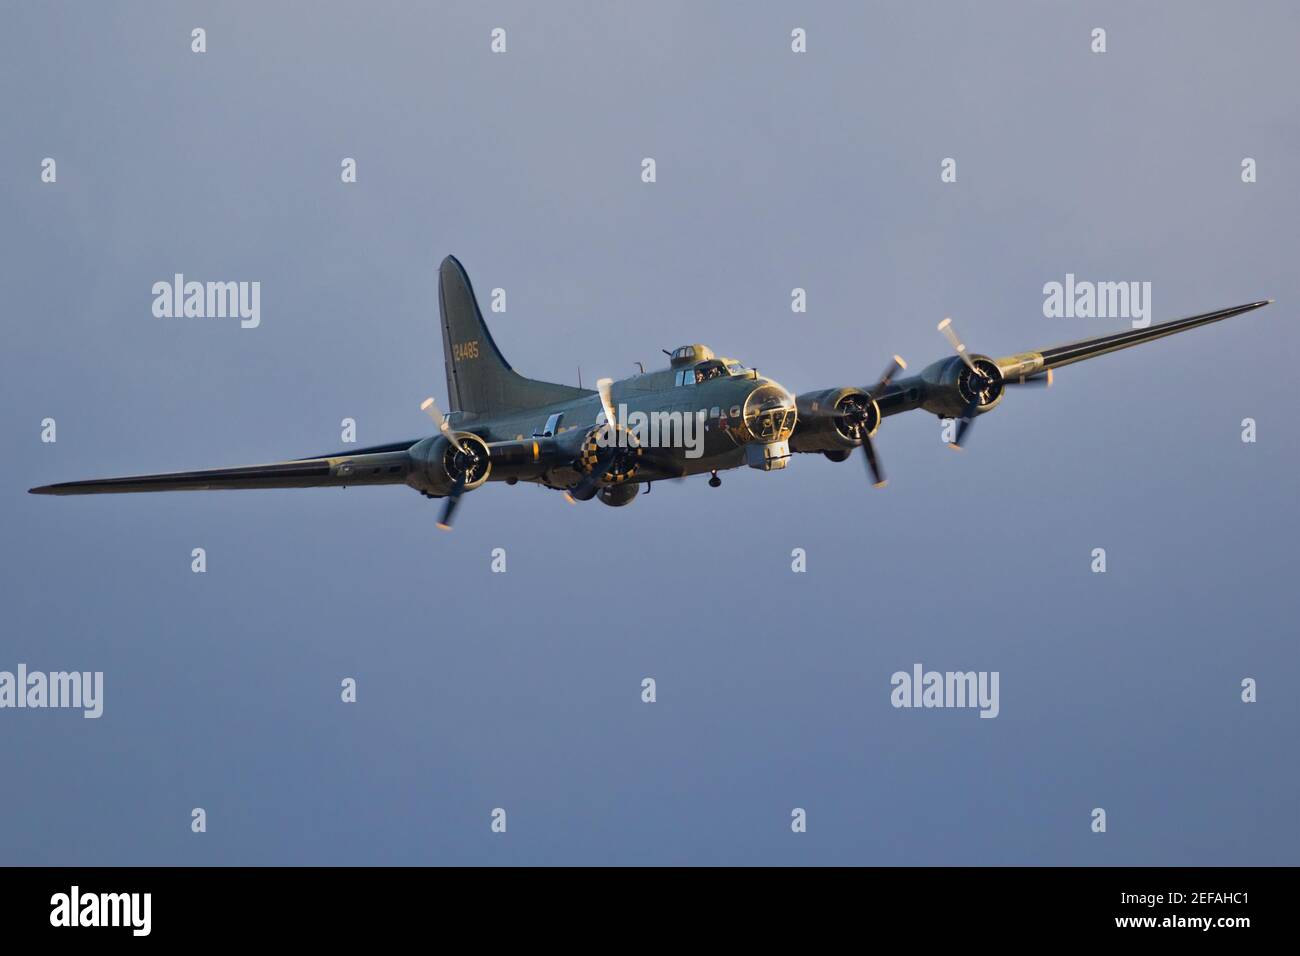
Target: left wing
[381,468]
[1029,363]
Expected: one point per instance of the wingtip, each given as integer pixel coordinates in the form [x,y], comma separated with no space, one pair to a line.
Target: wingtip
[39,490]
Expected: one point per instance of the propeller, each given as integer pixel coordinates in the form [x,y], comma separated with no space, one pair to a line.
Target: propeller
[964,425]
[958,345]
[452,501]
[980,383]
[608,457]
[586,489]
[605,386]
[858,416]
[430,408]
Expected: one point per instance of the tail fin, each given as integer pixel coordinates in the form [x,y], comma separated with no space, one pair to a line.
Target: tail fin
[479,379]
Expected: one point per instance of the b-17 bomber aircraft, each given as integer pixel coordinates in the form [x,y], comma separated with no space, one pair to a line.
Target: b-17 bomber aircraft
[703,413]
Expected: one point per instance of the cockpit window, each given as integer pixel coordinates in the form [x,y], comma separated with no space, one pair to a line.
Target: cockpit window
[735,368]
[707,370]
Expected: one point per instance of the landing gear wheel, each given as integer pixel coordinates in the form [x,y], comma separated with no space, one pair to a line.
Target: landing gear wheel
[714,480]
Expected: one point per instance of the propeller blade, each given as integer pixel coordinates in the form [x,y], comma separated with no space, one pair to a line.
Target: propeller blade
[873,463]
[896,366]
[586,489]
[857,419]
[450,504]
[964,425]
[1041,380]
[957,344]
[430,407]
[605,387]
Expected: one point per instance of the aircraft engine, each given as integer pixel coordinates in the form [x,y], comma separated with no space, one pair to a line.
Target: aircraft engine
[952,388]
[610,459]
[444,467]
[969,385]
[834,419]
[616,496]
[604,462]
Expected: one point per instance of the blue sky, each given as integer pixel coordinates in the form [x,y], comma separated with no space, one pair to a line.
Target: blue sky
[522,690]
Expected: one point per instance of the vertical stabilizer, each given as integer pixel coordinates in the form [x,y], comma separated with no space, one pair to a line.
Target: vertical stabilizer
[479,379]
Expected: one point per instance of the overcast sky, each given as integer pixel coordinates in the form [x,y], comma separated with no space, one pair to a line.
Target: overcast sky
[522,690]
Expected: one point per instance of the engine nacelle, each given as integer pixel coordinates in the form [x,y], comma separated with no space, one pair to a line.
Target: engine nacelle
[438,465]
[949,386]
[834,419]
[616,496]
[627,454]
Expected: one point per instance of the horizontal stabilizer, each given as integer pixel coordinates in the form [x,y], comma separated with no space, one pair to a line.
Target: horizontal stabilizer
[370,450]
